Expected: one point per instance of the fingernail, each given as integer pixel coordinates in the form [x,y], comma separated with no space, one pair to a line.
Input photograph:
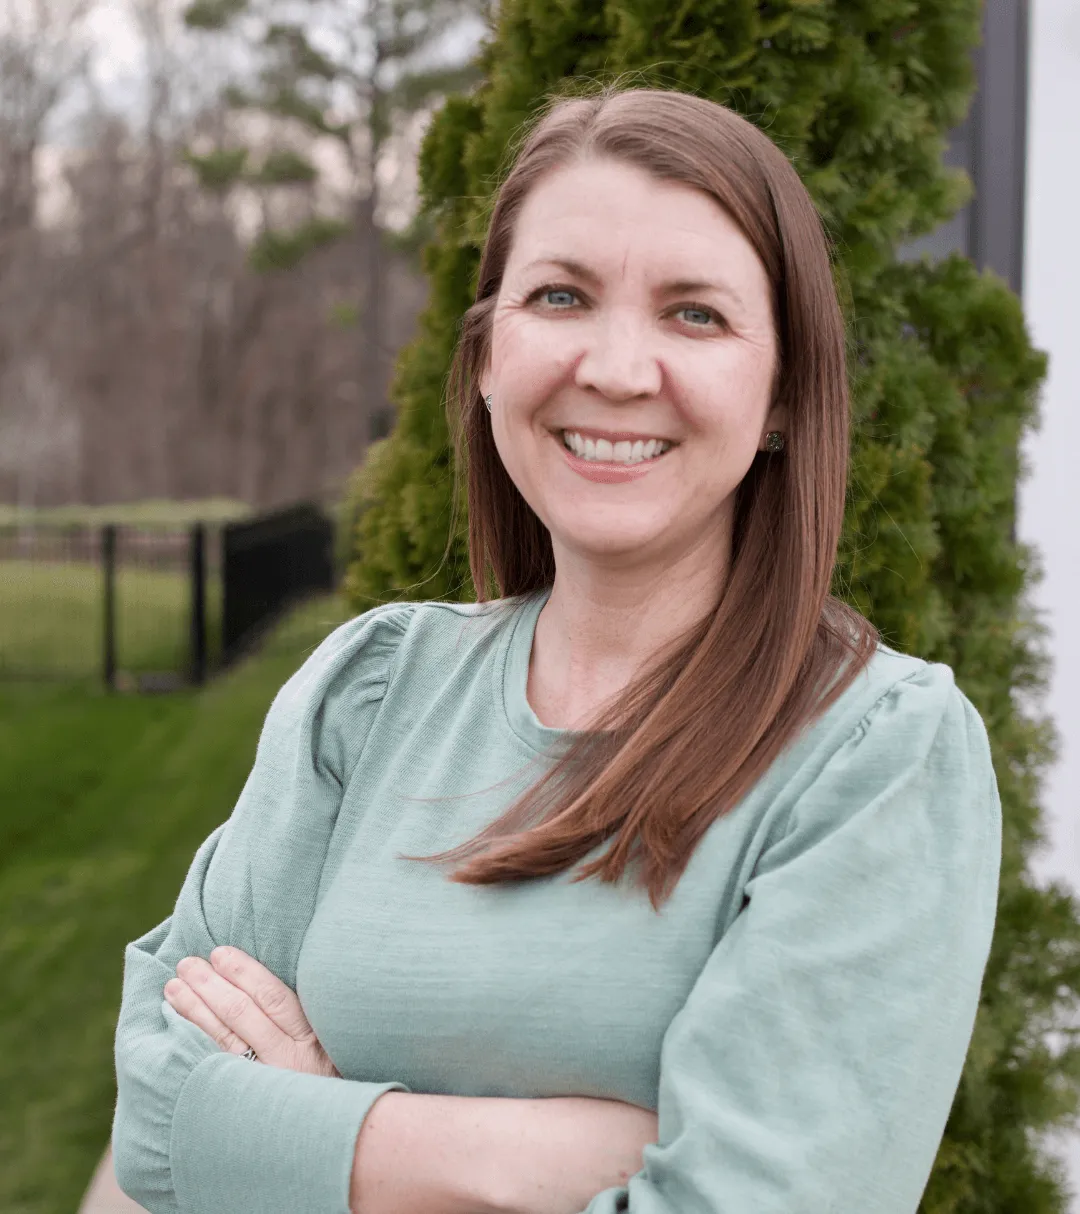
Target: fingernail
[221,953]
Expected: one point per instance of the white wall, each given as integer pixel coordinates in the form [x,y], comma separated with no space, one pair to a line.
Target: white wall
[1050,498]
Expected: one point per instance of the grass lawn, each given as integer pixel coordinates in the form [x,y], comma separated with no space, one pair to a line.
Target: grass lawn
[103,802]
[52,619]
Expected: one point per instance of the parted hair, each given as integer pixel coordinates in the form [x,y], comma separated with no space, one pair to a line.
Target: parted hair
[694,730]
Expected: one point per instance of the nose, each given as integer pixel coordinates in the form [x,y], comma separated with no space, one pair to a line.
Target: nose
[618,360]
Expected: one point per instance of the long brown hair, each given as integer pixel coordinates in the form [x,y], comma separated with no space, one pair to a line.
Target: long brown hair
[689,736]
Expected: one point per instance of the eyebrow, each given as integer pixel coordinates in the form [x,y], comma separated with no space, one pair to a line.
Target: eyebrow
[582,271]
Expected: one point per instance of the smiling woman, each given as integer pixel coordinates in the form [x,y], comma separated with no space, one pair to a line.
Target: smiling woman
[771,1010]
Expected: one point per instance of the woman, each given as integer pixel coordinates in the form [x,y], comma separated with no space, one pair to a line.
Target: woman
[768,1010]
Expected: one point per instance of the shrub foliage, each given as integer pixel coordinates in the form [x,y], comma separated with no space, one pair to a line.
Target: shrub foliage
[860,96]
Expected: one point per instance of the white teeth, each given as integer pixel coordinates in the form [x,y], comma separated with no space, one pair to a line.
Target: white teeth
[621,453]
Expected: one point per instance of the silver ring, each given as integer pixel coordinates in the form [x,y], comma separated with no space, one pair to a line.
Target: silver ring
[250,1053]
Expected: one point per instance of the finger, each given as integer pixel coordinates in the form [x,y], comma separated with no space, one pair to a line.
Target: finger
[184,1000]
[274,997]
[236,1010]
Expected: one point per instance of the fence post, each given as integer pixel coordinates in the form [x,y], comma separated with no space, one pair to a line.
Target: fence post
[197,557]
[108,569]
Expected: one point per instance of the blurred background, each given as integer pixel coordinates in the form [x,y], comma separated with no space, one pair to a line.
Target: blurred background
[211,255]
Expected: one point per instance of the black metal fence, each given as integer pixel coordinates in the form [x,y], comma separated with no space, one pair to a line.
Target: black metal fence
[151,608]
[268,563]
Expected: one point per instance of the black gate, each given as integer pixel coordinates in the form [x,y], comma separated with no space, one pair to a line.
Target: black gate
[267,564]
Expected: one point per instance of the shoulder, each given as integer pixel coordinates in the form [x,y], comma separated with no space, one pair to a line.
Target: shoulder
[333,698]
[906,693]
[903,723]
[902,750]
[359,652]
[361,655]
[326,707]
[899,708]
[915,685]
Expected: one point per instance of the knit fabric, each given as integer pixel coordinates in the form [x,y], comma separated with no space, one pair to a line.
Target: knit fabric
[798,1012]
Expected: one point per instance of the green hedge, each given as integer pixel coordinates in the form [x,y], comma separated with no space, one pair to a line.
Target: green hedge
[860,95]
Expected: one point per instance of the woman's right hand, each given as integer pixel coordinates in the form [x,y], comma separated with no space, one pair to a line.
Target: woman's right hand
[573,1147]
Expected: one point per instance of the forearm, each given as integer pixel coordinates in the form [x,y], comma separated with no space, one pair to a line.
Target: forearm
[426,1154]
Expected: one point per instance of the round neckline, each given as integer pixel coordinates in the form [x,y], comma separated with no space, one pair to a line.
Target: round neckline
[515,679]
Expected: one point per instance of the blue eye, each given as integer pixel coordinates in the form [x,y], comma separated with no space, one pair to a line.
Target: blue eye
[554,291]
[706,312]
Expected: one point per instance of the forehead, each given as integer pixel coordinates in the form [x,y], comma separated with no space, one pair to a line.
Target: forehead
[608,215]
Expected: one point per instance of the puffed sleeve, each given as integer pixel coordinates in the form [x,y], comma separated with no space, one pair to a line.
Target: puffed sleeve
[815,1061]
[199,1130]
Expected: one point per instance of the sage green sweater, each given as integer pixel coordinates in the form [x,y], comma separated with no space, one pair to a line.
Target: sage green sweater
[798,1013]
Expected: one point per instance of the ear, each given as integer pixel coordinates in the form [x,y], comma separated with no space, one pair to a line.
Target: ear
[776,419]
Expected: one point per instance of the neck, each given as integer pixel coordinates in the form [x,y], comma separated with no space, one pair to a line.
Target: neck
[600,627]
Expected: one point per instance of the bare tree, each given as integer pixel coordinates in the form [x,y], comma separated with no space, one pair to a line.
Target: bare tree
[152,360]
[43,56]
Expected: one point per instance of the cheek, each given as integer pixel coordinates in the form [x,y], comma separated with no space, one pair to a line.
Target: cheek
[543,351]
[515,339]
[517,446]
[530,482]
[738,396]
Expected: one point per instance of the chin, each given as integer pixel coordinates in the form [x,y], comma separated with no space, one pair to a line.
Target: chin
[605,542]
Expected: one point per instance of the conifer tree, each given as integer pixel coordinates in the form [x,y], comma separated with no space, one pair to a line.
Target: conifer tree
[945,381]
[322,73]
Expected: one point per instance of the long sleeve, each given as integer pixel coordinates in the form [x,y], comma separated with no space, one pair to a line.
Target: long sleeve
[196,1129]
[813,1066]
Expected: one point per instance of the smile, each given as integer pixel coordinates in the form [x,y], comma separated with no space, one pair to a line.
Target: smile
[602,451]
[611,471]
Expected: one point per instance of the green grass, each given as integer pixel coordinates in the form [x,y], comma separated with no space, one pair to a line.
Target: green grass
[103,802]
[51,619]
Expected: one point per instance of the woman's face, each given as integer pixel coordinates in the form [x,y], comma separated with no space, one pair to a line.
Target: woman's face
[610,348]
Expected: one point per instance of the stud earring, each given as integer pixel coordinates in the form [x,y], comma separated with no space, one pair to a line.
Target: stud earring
[487,401]
[774,441]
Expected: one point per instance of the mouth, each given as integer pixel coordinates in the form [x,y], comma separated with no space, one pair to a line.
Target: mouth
[623,452]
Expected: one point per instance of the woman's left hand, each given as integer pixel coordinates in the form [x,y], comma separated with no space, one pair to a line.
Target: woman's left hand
[239,1003]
